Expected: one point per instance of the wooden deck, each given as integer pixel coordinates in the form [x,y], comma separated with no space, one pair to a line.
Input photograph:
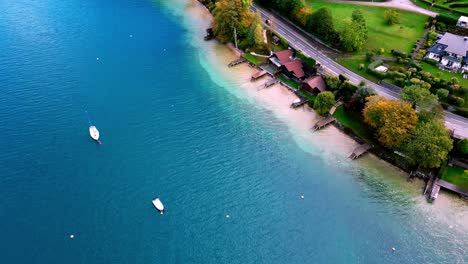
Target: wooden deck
[271,82]
[358,151]
[257,75]
[236,62]
[439,183]
[323,123]
[302,102]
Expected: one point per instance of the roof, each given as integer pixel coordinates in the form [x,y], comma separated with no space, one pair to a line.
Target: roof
[455,44]
[463,19]
[316,82]
[284,56]
[295,67]
[437,48]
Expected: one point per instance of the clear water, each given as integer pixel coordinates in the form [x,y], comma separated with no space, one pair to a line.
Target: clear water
[169,130]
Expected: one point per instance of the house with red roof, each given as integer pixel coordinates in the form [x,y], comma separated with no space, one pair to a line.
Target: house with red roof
[290,65]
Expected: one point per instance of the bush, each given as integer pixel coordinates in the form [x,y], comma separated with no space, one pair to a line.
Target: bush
[451,89]
[458,101]
[442,93]
[431,61]
[454,80]
[400,81]
[399,75]
[447,19]
[369,56]
[441,26]
[324,102]
[462,146]
[463,90]
[391,16]
[400,54]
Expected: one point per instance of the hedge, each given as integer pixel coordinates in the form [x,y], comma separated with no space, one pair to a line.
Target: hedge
[444,7]
[371,69]
[458,5]
[431,61]
[400,54]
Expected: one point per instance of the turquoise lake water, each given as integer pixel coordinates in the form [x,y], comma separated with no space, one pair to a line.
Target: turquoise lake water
[169,130]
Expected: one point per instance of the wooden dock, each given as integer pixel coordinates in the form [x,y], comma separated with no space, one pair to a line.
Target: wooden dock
[302,102]
[236,62]
[323,123]
[257,75]
[439,183]
[358,151]
[271,82]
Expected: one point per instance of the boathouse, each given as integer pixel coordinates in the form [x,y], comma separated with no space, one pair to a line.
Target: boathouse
[314,84]
[286,62]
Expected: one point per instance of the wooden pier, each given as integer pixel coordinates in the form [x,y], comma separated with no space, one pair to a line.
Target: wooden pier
[323,123]
[358,151]
[302,102]
[434,187]
[271,82]
[257,75]
[236,62]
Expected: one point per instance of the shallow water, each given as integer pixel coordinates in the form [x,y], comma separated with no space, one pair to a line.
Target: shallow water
[173,124]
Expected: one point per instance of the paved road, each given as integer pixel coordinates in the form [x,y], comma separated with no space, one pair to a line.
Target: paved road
[400,4]
[300,41]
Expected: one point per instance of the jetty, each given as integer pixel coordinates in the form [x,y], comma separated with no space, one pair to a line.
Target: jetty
[359,150]
[302,101]
[323,123]
[271,82]
[236,62]
[257,75]
[435,186]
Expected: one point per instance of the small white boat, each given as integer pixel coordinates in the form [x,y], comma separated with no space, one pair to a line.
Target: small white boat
[94,133]
[297,101]
[159,205]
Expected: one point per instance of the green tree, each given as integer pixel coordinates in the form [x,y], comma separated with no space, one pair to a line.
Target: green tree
[430,145]
[462,146]
[358,18]
[393,120]
[324,102]
[321,23]
[391,16]
[288,7]
[362,93]
[333,82]
[230,15]
[418,96]
[352,36]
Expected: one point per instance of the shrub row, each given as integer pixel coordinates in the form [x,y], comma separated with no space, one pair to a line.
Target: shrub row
[445,7]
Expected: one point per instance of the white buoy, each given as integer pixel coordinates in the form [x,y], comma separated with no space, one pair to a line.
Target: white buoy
[97,58]
[72,236]
[302,196]
[227,216]
[393,249]
[131,36]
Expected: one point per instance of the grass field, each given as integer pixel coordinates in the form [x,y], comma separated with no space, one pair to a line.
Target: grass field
[401,36]
[353,63]
[254,59]
[444,74]
[455,175]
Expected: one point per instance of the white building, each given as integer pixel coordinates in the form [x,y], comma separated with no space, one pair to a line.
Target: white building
[463,22]
[451,51]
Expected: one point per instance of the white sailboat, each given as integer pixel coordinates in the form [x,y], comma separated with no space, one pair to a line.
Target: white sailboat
[158,205]
[93,131]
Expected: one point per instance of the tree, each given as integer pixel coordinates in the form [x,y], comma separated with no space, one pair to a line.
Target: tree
[324,102]
[391,16]
[393,120]
[358,18]
[352,36]
[230,15]
[358,100]
[288,7]
[255,35]
[462,146]
[418,96]
[333,82]
[430,145]
[321,23]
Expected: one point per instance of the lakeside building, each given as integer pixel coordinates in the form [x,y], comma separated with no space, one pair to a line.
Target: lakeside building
[314,84]
[451,51]
[291,66]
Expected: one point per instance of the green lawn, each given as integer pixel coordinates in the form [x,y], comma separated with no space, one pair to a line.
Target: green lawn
[353,122]
[254,59]
[353,62]
[444,74]
[289,81]
[401,36]
[455,175]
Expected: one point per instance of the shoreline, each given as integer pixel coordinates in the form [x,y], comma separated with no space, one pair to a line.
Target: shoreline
[331,144]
